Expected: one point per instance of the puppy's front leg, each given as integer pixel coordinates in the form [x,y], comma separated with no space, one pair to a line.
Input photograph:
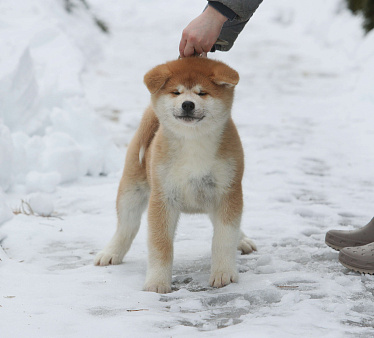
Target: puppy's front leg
[226,222]
[162,221]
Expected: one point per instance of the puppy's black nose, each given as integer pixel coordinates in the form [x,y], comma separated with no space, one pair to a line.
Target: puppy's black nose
[188,106]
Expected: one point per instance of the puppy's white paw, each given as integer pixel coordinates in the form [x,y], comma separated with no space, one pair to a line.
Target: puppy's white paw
[107,257]
[157,287]
[246,245]
[219,279]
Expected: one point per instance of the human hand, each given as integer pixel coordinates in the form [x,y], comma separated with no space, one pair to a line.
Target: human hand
[201,33]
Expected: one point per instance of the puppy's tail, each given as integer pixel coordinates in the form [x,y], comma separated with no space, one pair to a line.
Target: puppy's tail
[146,132]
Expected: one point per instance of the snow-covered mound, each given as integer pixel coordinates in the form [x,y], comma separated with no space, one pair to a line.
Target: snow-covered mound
[49,134]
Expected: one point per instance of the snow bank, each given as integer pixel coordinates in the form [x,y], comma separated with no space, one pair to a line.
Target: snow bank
[48,132]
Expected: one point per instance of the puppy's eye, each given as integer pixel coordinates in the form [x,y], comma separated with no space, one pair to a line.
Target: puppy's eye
[176,93]
[202,94]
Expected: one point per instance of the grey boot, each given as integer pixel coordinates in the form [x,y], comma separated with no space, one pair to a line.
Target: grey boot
[360,259]
[338,239]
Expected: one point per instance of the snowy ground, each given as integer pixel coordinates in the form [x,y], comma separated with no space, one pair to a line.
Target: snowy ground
[70,100]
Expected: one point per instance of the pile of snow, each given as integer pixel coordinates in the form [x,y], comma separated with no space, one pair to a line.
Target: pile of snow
[49,134]
[41,205]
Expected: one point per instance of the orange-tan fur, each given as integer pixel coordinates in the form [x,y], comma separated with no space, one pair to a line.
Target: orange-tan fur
[186,156]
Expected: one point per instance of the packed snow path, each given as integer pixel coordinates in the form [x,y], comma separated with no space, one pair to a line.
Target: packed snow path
[304,109]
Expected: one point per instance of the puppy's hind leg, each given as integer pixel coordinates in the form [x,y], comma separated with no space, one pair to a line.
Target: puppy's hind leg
[132,200]
[246,245]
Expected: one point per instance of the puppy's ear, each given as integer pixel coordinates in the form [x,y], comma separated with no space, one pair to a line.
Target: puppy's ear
[225,75]
[156,78]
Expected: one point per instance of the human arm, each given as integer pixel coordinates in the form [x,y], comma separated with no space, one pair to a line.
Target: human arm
[223,19]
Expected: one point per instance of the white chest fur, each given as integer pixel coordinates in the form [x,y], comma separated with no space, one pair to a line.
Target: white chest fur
[193,177]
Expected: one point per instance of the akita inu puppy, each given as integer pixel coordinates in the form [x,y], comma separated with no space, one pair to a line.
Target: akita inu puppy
[186,157]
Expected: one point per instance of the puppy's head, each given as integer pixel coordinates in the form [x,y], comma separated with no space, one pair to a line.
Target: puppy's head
[192,94]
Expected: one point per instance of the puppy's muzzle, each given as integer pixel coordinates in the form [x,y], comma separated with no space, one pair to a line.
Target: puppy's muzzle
[188,112]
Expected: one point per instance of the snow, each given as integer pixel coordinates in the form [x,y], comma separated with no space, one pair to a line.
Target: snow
[42,98]
[41,204]
[71,98]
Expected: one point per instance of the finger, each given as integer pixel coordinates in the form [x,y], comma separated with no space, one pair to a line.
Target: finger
[207,47]
[182,47]
[189,50]
[198,49]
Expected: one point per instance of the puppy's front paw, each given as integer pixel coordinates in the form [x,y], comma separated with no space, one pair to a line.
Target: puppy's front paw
[107,257]
[246,245]
[157,287]
[219,279]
